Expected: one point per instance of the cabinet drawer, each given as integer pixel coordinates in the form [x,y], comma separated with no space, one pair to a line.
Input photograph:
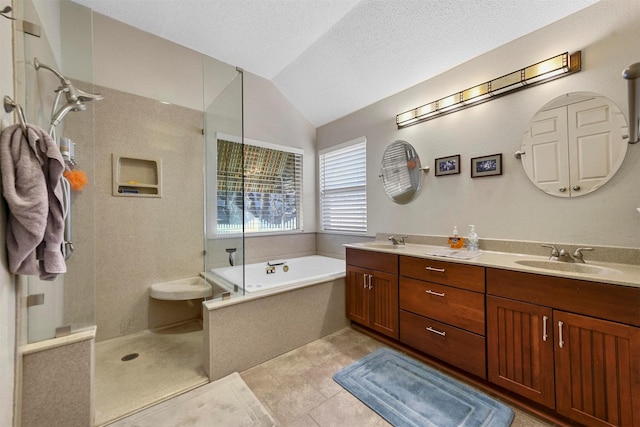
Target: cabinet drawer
[601,300]
[374,260]
[457,307]
[464,276]
[447,343]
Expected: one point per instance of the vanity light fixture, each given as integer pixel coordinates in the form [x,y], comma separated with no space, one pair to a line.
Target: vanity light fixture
[541,72]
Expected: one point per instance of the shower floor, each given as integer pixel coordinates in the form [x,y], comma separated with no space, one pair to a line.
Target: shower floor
[169,362]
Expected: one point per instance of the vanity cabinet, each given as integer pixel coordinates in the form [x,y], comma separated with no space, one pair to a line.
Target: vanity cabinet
[372,290]
[568,344]
[442,311]
[520,348]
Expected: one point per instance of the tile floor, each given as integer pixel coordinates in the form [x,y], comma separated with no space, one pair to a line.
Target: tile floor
[298,389]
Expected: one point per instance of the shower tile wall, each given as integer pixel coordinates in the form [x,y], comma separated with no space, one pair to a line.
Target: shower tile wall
[140,240]
[261,248]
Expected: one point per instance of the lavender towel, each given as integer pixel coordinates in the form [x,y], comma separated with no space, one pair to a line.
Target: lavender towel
[32,168]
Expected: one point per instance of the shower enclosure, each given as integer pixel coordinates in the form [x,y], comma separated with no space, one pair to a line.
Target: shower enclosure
[223,122]
[66,304]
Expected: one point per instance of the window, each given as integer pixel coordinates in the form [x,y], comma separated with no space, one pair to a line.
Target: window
[343,187]
[259,187]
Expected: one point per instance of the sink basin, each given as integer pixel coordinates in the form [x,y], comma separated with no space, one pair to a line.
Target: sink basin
[568,267]
[382,246]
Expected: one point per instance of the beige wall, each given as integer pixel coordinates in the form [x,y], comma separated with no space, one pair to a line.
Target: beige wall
[508,206]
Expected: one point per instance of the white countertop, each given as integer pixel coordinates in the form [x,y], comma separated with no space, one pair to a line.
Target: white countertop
[611,273]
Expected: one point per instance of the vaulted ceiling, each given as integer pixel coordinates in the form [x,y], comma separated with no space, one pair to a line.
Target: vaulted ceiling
[333,57]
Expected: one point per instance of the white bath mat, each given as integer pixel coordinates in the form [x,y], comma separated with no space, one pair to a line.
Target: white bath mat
[225,402]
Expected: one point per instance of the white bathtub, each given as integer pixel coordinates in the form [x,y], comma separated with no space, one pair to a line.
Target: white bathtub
[290,273]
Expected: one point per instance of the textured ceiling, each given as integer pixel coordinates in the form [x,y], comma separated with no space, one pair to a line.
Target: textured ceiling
[333,57]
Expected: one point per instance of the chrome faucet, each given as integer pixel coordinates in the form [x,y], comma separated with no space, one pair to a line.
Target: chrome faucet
[398,241]
[564,256]
[577,255]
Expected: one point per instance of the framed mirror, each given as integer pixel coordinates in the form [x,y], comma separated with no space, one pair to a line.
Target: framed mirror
[400,171]
[574,144]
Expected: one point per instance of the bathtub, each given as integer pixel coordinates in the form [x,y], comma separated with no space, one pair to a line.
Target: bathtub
[283,274]
[278,312]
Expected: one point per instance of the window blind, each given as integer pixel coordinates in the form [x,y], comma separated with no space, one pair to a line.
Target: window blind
[258,188]
[343,189]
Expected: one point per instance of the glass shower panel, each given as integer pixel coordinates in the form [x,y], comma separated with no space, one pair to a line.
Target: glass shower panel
[223,120]
[68,303]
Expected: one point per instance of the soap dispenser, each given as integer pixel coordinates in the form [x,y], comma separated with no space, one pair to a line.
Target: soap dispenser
[472,239]
[455,241]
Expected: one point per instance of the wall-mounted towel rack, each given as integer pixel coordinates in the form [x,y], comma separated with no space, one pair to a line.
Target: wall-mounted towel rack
[10,105]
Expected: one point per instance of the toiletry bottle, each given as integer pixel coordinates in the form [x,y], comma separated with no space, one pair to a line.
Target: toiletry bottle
[455,241]
[472,239]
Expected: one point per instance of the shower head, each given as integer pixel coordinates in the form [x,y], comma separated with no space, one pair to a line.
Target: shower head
[72,93]
[72,106]
[75,97]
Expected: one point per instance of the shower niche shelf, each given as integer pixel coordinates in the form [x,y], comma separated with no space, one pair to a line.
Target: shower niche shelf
[136,177]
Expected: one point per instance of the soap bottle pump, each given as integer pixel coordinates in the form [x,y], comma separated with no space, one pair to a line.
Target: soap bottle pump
[472,239]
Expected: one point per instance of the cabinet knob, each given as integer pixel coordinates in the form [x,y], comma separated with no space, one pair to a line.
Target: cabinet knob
[576,188]
[562,189]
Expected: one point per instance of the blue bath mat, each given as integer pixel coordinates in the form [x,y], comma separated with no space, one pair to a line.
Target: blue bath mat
[407,393]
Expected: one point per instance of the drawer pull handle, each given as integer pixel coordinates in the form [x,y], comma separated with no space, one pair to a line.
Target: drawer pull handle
[560,340]
[439,270]
[545,335]
[370,284]
[430,329]
[364,280]
[438,294]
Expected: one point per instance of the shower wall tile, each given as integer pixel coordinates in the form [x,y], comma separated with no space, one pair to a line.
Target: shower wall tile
[260,248]
[142,240]
[57,384]
[331,245]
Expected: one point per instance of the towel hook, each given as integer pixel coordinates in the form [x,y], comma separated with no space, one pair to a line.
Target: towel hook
[10,105]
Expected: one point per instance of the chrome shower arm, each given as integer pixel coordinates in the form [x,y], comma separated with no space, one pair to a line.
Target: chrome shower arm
[39,65]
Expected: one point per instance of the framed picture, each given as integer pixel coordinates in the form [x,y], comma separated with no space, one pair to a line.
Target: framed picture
[448,165]
[486,166]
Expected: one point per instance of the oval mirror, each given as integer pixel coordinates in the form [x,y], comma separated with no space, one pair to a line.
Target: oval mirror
[400,172]
[574,144]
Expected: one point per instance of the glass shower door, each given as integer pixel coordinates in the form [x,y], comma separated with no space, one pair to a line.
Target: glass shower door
[66,304]
[223,121]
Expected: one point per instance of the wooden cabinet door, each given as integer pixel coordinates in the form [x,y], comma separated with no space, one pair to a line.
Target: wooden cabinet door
[384,304]
[357,298]
[597,370]
[520,348]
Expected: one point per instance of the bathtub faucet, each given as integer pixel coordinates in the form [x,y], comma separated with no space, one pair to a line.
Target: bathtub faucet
[232,256]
